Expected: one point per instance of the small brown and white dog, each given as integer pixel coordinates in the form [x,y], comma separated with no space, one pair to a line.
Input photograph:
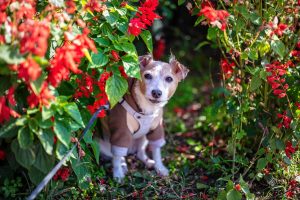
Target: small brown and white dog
[137,120]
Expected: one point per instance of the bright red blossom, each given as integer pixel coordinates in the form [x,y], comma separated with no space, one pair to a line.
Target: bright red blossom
[115,55]
[42,98]
[227,68]
[29,70]
[62,174]
[34,37]
[135,26]
[70,6]
[289,149]
[215,17]
[285,120]
[94,5]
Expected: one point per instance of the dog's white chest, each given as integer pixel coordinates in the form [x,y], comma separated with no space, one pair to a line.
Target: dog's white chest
[140,124]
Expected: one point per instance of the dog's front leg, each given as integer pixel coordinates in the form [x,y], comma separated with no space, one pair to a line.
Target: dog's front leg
[119,162]
[156,155]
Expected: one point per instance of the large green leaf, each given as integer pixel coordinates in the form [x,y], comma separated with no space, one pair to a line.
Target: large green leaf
[61,150]
[111,16]
[131,66]
[72,110]
[261,163]
[102,41]
[25,157]
[10,55]
[35,175]
[25,137]
[96,150]
[278,47]
[233,194]
[9,130]
[98,60]
[116,87]
[46,137]
[255,82]
[245,189]
[147,38]
[43,161]
[82,172]
[180,2]
[46,113]
[62,131]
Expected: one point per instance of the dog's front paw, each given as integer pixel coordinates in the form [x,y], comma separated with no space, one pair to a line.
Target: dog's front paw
[118,174]
[161,170]
[149,163]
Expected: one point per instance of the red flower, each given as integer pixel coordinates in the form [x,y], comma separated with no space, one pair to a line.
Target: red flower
[94,5]
[285,120]
[2,154]
[115,55]
[43,98]
[227,68]
[26,10]
[145,17]
[3,17]
[289,194]
[34,37]
[29,70]
[237,187]
[135,26]
[11,97]
[5,111]
[122,71]
[298,105]
[289,149]
[159,49]
[277,29]
[215,17]
[70,6]
[85,86]
[62,173]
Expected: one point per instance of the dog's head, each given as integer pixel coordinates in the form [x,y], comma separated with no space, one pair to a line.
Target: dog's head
[160,79]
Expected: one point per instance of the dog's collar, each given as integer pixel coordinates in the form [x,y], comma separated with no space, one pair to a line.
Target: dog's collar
[131,111]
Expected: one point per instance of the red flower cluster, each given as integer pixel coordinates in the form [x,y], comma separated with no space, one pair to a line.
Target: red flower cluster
[144,17]
[101,98]
[115,56]
[70,6]
[214,17]
[5,106]
[34,37]
[159,49]
[42,98]
[296,53]
[2,155]
[289,149]
[291,190]
[276,79]
[29,70]
[85,86]
[62,174]
[122,71]
[67,58]
[3,6]
[227,68]
[277,29]
[94,5]
[285,120]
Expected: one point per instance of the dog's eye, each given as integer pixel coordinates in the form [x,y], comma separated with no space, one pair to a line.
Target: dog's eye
[148,76]
[169,79]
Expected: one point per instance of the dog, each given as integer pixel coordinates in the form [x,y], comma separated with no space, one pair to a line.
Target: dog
[137,120]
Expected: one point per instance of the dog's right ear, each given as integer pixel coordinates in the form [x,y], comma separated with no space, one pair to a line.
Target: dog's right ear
[145,60]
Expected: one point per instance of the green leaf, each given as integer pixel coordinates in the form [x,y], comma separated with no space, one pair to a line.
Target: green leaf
[180,2]
[24,157]
[62,131]
[46,113]
[278,47]
[82,172]
[255,82]
[116,87]
[46,138]
[111,16]
[245,189]
[122,25]
[43,161]
[88,137]
[72,110]
[35,175]
[147,38]
[264,48]
[8,130]
[25,137]
[102,41]
[131,66]
[10,55]
[199,20]
[96,150]
[98,60]
[233,195]
[37,84]
[287,160]
[241,134]
[279,144]
[253,54]
[255,18]
[261,163]
[61,150]
[212,33]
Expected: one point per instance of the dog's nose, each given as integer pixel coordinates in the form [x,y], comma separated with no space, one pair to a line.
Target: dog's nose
[156,93]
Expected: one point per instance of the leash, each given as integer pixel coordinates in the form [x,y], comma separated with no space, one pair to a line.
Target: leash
[49,176]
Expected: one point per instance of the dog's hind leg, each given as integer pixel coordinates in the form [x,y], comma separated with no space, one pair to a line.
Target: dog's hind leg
[118,161]
[141,152]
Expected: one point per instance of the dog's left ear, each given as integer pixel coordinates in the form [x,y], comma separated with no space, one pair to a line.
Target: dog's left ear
[145,60]
[179,69]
